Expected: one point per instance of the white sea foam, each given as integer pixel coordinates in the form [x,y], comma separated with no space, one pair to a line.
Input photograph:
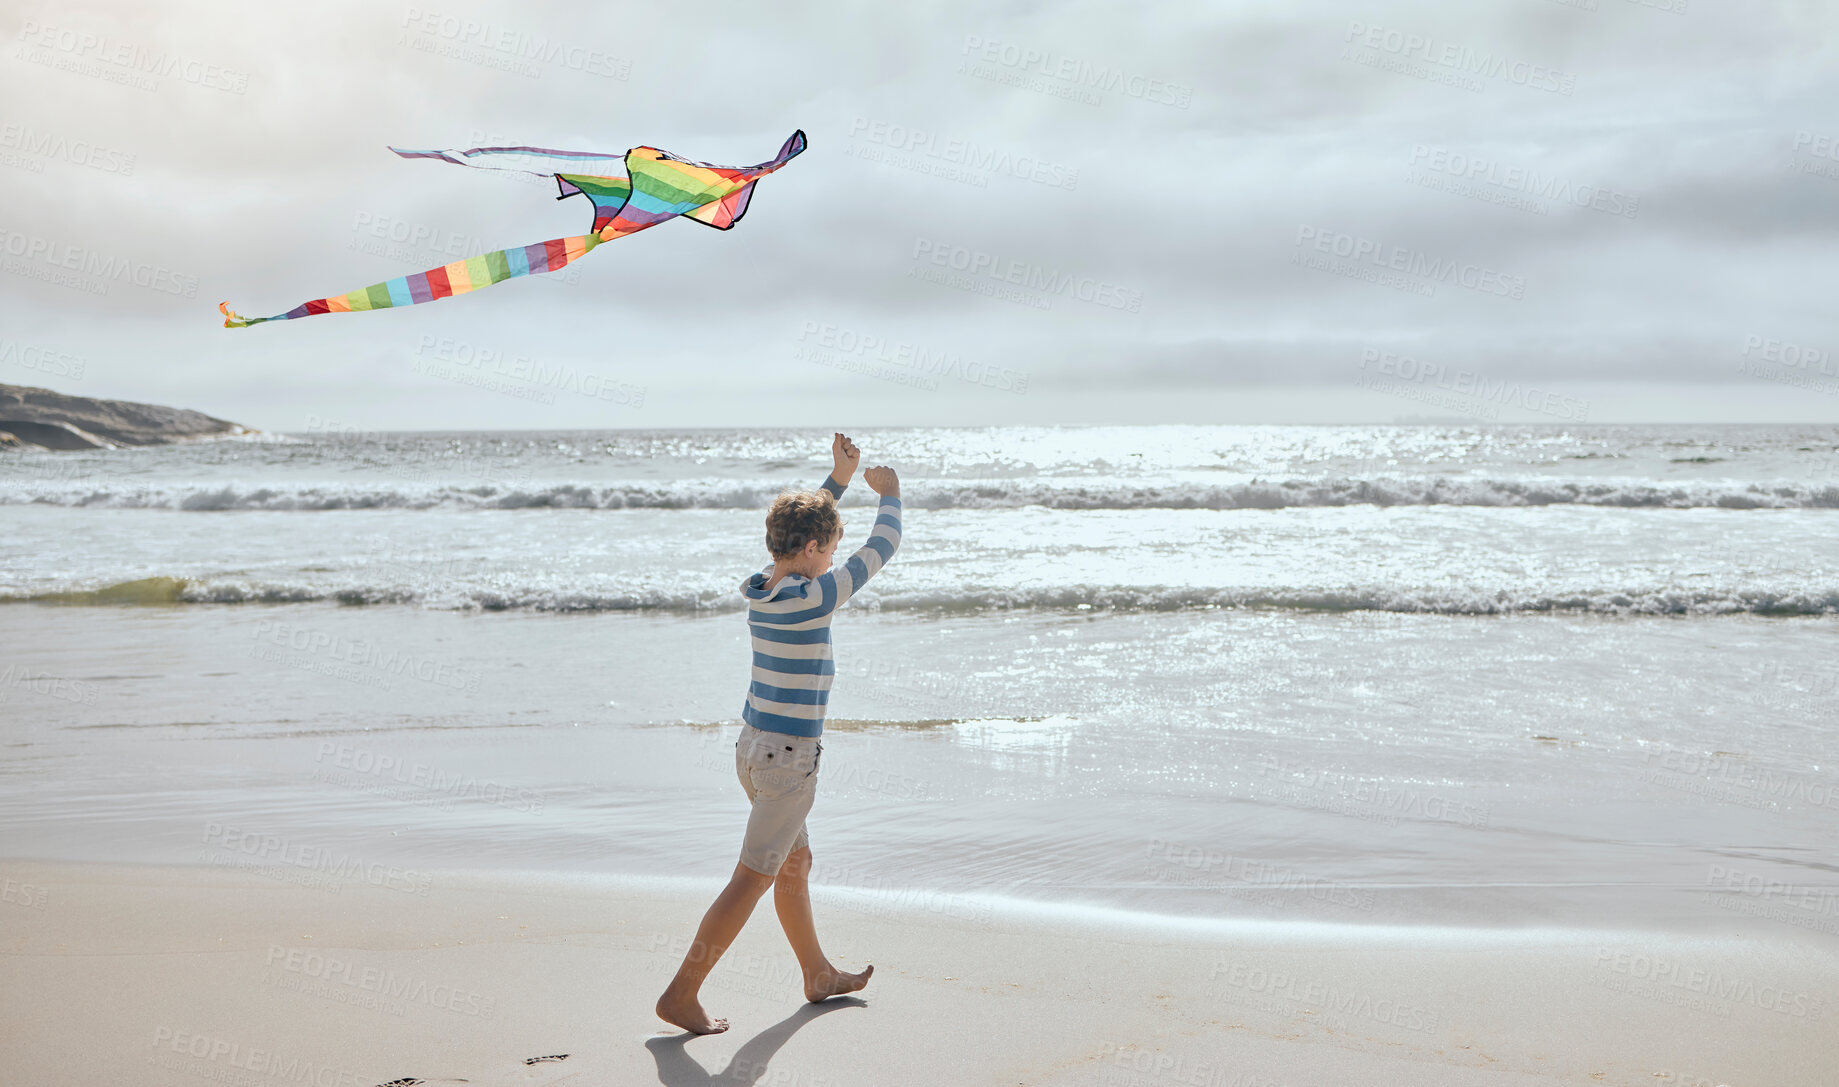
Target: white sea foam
[539,597]
[1070,495]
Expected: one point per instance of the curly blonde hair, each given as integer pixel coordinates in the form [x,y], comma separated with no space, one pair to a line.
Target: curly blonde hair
[798,517]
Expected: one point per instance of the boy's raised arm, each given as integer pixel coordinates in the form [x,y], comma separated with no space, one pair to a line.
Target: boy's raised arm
[883,538]
[847,456]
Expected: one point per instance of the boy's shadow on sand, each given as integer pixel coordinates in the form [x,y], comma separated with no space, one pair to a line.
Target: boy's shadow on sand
[676,1068]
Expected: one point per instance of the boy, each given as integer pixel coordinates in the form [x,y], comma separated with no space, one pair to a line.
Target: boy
[789,607]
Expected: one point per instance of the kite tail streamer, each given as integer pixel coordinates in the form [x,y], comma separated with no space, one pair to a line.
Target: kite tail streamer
[459,277]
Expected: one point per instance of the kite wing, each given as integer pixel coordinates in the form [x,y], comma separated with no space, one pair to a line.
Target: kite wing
[658,186]
[727,211]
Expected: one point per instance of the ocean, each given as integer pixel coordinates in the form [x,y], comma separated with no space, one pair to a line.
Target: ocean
[1426,674]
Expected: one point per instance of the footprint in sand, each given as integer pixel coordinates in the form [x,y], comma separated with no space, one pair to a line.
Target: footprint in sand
[675,1066]
[526,1073]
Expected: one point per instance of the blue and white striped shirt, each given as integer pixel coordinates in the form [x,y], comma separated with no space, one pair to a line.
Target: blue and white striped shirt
[790,628]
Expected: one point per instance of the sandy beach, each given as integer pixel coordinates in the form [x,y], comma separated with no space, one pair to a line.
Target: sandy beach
[172,975]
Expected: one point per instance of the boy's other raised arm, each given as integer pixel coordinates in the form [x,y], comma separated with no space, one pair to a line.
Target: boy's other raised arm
[883,539]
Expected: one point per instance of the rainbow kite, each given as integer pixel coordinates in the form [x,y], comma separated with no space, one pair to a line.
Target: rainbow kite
[658,186]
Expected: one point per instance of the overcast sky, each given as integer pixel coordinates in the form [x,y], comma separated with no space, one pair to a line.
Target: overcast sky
[1060,213]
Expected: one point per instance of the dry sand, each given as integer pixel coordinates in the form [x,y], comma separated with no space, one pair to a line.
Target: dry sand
[149,975]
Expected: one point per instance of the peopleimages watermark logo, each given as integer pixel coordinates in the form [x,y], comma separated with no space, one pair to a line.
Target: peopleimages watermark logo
[490,45]
[1062,76]
[216,1058]
[1339,793]
[902,361]
[415,782]
[1814,153]
[405,242]
[1491,181]
[28,895]
[1722,777]
[46,360]
[46,684]
[355,660]
[951,158]
[25,147]
[1424,56]
[32,256]
[863,890]
[289,861]
[1804,691]
[346,981]
[1788,363]
[1198,867]
[472,363]
[1468,390]
[1399,267]
[1323,1003]
[1671,981]
[766,976]
[1131,1064]
[436,468]
[115,60]
[1014,280]
[1758,895]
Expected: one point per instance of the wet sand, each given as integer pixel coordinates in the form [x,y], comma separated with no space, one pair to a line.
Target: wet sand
[173,975]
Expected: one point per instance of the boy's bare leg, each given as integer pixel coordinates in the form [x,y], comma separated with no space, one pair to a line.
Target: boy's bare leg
[792,899]
[679,1006]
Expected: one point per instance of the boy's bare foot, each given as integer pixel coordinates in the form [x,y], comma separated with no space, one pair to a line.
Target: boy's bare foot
[689,1015]
[831,983]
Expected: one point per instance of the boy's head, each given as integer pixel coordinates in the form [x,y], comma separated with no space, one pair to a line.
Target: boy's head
[801,517]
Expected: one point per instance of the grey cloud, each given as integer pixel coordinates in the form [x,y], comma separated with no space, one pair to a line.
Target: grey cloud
[1194,208]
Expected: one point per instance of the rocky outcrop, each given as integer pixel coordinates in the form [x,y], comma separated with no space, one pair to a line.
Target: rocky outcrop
[52,420]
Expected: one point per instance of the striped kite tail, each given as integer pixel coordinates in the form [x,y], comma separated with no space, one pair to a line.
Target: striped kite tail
[459,277]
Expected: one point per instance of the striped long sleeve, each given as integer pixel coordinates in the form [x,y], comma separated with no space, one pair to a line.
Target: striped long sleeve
[883,541]
[789,628]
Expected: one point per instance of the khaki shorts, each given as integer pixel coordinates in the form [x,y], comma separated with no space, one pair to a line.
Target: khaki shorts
[779,773]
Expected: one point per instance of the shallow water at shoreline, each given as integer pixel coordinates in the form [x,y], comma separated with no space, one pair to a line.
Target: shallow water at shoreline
[1362,768]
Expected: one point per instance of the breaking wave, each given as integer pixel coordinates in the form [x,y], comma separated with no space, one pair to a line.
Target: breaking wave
[997,494]
[1081,600]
